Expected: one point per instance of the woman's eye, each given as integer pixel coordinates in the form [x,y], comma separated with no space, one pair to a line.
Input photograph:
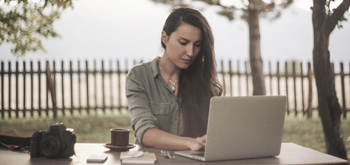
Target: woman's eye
[183,43]
[198,45]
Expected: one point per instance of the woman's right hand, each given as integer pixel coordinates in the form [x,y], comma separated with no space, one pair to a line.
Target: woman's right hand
[198,143]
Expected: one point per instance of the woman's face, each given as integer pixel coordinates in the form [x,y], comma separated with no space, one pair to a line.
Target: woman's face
[183,45]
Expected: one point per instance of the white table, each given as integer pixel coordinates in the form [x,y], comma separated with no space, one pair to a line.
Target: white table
[290,154]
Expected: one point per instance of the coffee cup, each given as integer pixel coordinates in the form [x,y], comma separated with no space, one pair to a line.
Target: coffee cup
[120,137]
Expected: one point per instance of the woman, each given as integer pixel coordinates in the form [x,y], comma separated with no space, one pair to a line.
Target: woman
[169,97]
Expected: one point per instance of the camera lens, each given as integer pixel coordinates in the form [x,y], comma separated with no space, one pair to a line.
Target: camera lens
[50,147]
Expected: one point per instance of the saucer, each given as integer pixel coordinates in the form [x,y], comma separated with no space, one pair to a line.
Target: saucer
[119,148]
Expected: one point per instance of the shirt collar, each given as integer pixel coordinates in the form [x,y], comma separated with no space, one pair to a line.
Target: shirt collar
[154,66]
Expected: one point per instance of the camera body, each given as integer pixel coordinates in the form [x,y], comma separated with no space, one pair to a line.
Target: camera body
[57,142]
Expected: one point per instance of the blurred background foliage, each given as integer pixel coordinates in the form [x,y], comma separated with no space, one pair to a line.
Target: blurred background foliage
[270,10]
[25,23]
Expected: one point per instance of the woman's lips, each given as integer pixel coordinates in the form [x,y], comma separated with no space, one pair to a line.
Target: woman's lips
[187,61]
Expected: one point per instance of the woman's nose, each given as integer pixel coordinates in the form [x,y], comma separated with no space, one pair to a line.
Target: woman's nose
[190,50]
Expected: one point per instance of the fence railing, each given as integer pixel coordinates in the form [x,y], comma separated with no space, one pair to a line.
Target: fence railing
[97,89]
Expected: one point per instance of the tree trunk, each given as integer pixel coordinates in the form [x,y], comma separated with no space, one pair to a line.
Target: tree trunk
[256,62]
[329,108]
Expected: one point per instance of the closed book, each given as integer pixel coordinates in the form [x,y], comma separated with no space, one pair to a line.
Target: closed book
[146,158]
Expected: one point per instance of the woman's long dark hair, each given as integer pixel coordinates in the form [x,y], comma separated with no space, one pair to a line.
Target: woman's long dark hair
[197,82]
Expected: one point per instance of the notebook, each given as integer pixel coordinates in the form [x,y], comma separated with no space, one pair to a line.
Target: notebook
[145,158]
[242,127]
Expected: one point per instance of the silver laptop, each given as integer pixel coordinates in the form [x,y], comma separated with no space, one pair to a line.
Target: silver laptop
[242,127]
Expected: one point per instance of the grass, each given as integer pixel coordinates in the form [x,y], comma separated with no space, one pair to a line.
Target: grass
[96,128]
[309,133]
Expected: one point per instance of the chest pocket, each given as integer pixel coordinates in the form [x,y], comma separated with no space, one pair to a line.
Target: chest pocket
[167,115]
[161,108]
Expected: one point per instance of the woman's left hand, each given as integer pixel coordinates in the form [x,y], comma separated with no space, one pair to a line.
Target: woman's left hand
[202,140]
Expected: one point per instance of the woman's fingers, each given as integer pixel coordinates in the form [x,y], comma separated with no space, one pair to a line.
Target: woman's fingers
[201,141]
[204,138]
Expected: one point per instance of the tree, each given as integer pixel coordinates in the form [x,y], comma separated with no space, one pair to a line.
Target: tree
[256,62]
[24,23]
[253,10]
[324,21]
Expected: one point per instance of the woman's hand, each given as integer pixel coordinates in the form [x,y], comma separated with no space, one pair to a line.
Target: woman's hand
[156,138]
[198,143]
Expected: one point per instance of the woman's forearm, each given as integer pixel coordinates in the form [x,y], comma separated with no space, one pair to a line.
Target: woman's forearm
[159,139]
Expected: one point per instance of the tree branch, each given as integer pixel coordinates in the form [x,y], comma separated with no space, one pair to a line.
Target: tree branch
[336,16]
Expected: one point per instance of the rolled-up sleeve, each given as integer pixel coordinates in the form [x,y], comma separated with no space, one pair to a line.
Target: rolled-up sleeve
[141,115]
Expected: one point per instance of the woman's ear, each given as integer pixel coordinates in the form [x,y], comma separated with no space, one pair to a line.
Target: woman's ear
[165,37]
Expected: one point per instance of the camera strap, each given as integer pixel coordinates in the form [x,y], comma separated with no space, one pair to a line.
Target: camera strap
[14,142]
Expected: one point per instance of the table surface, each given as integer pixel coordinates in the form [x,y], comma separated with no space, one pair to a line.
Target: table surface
[290,154]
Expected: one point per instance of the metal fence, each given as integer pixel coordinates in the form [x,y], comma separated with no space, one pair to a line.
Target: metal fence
[76,90]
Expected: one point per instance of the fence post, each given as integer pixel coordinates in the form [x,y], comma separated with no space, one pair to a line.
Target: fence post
[119,87]
[17,73]
[47,90]
[270,77]
[79,88]
[278,78]
[95,85]
[2,91]
[50,85]
[31,89]
[103,87]
[87,87]
[343,88]
[295,90]
[111,98]
[39,87]
[24,89]
[10,109]
[230,74]
[71,86]
[62,86]
[309,75]
[54,82]
[286,77]
[302,88]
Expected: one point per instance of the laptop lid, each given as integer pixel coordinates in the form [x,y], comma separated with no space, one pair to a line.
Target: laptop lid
[243,127]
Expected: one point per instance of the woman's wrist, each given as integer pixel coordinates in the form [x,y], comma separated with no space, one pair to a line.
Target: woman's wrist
[190,143]
[187,142]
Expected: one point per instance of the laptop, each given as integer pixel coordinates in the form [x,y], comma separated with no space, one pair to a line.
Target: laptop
[242,128]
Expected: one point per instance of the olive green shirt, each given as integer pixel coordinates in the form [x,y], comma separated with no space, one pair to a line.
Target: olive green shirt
[151,101]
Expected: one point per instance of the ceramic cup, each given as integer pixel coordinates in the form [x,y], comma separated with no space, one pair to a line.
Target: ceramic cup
[120,137]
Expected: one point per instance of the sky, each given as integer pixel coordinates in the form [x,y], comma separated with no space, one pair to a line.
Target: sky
[130,29]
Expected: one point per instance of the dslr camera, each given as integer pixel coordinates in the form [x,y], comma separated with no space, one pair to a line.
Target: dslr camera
[57,142]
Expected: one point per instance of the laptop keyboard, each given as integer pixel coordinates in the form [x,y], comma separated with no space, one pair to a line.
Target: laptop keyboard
[198,153]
